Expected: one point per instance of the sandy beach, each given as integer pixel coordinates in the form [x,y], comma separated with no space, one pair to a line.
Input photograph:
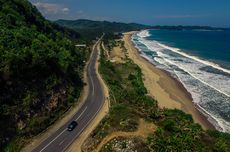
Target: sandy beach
[168,91]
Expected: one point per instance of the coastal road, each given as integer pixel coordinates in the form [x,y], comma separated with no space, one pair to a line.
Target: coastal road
[60,140]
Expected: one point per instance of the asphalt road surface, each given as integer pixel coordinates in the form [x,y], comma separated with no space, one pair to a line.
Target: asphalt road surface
[62,139]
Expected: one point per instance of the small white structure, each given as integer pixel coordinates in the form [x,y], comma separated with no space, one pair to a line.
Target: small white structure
[80,45]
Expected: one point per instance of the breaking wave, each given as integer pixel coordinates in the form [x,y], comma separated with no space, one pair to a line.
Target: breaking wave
[207,82]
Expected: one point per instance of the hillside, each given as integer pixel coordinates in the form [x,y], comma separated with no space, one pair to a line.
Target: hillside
[40,72]
[90,28]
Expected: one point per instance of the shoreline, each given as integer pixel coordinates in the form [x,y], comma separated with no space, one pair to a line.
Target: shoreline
[167,90]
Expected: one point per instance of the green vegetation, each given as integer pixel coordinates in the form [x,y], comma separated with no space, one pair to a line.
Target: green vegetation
[40,72]
[176,131]
[40,78]
[128,98]
[90,29]
[125,144]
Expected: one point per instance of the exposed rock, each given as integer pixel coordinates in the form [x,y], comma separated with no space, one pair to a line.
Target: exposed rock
[21,125]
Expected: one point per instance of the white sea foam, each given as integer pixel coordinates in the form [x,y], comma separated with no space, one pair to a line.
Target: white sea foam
[197,91]
[176,50]
[143,34]
[219,123]
[191,74]
[193,67]
[210,91]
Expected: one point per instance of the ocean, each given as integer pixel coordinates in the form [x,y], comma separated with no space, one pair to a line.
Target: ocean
[200,60]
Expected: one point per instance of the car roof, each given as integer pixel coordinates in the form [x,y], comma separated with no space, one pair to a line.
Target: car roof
[73,122]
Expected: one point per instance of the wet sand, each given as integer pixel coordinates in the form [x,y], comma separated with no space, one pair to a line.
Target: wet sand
[168,91]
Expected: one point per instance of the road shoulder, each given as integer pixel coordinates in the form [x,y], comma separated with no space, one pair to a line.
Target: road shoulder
[77,144]
[63,120]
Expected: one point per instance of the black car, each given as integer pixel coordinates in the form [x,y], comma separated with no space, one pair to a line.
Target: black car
[72,125]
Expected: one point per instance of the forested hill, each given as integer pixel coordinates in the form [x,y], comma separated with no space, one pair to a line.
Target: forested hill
[105,26]
[90,28]
[40,72]
[18,13]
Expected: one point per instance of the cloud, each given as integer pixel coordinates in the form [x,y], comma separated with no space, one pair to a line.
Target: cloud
[176,16]
[54,11]
[51,8]
[65,10]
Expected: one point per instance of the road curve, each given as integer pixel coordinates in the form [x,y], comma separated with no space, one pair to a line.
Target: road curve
[60,140]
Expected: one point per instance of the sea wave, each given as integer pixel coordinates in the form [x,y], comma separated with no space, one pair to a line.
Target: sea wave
[192,65]
[209,90]
[214,65]
[143,34]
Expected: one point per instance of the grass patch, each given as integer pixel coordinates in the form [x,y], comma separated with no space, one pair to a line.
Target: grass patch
[129,101]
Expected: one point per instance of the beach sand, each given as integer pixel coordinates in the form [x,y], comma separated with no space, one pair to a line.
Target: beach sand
[168,91]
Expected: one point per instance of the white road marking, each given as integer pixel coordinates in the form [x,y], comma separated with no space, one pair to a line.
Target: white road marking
[81,113]
[53,140]
[86,123]
[92,84]
[83,128]
[78,117]
[62,142]
[90,64]
[62,132]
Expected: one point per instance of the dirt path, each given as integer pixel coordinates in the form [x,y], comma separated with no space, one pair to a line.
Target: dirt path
[103,47]
[117,55]
[144,129]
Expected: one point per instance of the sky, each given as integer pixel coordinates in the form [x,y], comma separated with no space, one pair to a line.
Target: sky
[151,12]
